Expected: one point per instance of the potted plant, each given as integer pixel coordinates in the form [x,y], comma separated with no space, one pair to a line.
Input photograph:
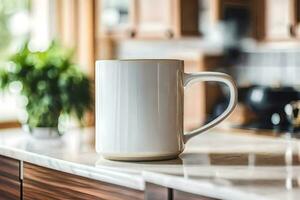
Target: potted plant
[51,86]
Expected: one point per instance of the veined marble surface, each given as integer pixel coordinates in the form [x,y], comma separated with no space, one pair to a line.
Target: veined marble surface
[73,153]
[218,164]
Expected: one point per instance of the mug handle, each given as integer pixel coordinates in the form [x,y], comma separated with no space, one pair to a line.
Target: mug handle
[190,78]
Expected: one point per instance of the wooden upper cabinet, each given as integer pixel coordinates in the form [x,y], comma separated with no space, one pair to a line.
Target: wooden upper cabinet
[10,182]
[154,18]
[246,15]
[269,20]
[166,19]
[261,19]
[114,17]
[42,183]
[295,18]
[150,18]
[278,19]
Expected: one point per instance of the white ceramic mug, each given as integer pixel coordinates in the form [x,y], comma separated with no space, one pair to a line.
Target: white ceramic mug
[139,108]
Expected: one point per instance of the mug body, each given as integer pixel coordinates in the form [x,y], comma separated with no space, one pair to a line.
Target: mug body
[139,109]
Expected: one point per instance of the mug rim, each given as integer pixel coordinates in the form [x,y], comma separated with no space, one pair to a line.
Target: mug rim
[139,60]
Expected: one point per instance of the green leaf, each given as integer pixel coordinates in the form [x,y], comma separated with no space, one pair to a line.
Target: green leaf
[52,83]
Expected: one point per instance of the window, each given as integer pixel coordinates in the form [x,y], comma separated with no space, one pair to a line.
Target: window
[14,25]
[20,21]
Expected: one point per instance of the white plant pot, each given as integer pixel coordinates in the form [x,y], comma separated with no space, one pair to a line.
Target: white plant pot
[42,132]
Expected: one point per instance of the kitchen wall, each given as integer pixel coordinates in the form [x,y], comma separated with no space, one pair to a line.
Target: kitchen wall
[264,66]
[269,67]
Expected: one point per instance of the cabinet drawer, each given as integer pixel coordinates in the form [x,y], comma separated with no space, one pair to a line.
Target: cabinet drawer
[10,183]
[157,192]
[179,195]
[43,183]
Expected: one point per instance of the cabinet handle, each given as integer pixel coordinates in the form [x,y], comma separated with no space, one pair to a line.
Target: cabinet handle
[131,33]
[292,30]
[21,170]
[169,34]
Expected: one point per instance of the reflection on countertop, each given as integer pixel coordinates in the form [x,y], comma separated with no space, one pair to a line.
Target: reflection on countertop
[219,164]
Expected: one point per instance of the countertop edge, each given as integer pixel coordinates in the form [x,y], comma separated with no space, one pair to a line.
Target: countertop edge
[108,176]
[202,188]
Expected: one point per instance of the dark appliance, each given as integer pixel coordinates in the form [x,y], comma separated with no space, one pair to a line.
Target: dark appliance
[268,104]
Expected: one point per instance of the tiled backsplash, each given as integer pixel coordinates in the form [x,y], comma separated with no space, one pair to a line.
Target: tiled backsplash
[268,68]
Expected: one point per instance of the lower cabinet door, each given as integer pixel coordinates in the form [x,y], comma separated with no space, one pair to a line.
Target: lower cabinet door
[179,195]
[42,183]
[157,192]
[10,182]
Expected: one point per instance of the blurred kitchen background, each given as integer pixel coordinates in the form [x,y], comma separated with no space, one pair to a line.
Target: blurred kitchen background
[255,41]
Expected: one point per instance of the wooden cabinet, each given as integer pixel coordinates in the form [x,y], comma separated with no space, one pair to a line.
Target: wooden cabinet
[165,19]
[269,20]
[279,20]
[179,195]
[43,183]
[10,182]
[156,192]
[295,18]
[200,97]
[153,20]
[245,14]
[150,19]
[113,17]
[31,182]
[194,97]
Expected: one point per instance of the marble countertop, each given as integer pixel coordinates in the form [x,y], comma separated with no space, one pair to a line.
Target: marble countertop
[219,164]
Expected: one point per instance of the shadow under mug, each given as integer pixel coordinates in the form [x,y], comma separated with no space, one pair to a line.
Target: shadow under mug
[139,108]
